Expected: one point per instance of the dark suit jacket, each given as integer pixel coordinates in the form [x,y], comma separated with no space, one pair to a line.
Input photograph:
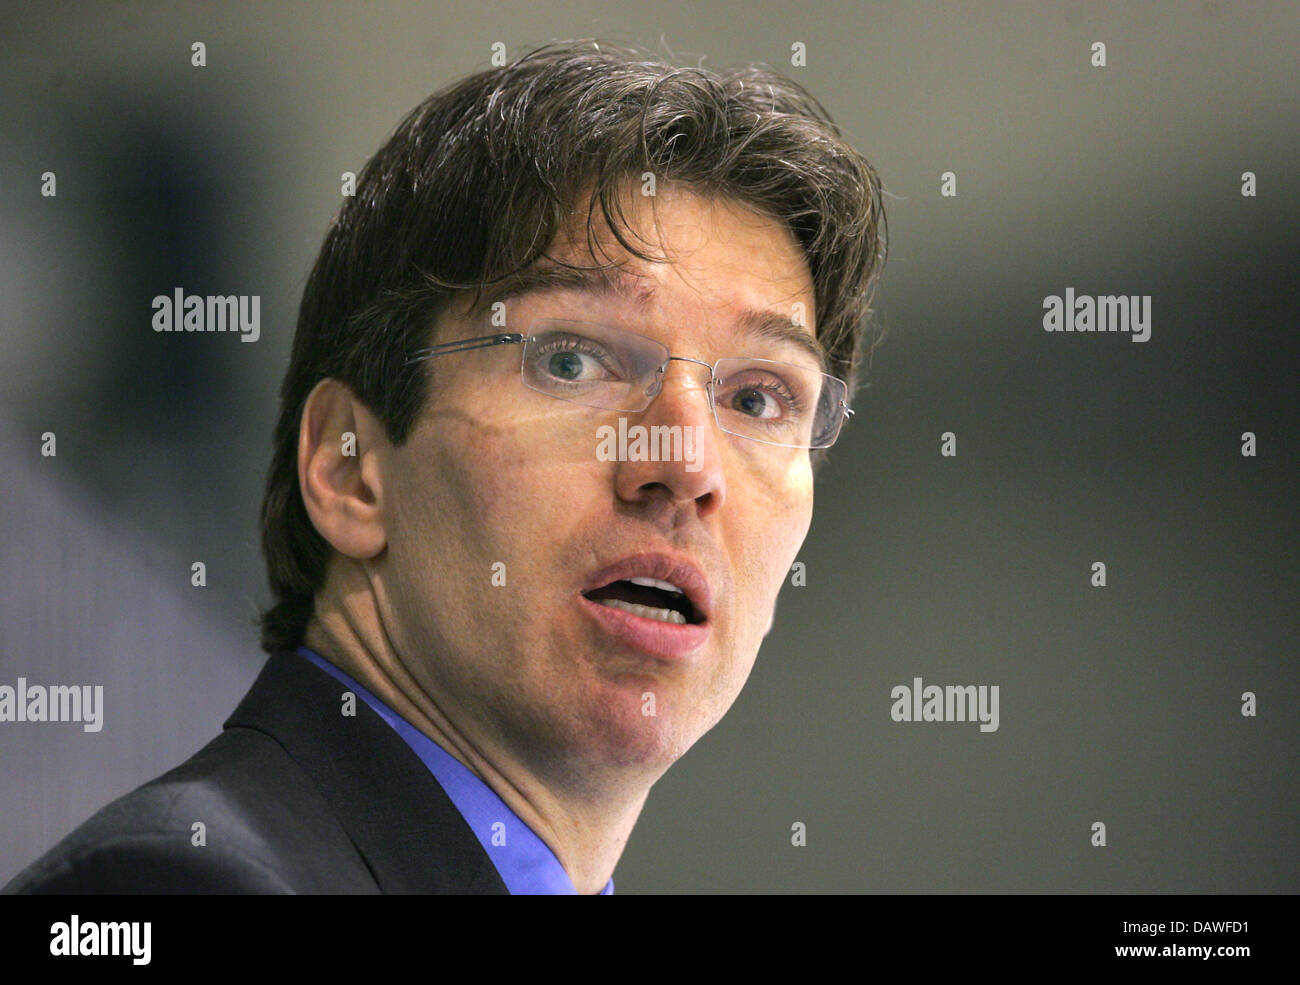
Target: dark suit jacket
[295,797]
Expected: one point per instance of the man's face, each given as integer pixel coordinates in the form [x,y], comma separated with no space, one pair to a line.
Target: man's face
[498,482]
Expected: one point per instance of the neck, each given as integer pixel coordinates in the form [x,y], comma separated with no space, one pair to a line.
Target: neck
[586,826]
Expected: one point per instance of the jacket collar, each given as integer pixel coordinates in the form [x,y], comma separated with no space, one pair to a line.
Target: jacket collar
[405,827]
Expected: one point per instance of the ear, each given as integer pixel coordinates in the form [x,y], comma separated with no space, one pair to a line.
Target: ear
[340,445]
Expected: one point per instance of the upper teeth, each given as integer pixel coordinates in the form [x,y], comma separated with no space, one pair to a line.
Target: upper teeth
[667,586]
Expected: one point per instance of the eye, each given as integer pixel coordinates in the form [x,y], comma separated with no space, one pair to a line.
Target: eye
[755,403]
[766,398]
[564,365]
[575,359]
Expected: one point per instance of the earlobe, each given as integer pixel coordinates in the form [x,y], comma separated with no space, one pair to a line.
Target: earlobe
[339,450]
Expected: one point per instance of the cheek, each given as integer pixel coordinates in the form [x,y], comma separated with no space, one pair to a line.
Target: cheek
[769,534]
[469,509]
[781,514]
[466,549]
[483,494]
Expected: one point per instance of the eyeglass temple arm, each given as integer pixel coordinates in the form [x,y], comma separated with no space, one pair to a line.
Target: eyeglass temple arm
[482,342]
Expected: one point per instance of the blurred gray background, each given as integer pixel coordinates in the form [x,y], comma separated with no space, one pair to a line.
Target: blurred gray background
[1119,705]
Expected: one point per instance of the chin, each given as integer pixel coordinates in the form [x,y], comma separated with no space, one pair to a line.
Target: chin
[620,736]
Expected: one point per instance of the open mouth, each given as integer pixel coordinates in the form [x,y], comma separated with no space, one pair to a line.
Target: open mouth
[649,598]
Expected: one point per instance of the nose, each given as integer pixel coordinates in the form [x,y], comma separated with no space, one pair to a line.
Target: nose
[680,426]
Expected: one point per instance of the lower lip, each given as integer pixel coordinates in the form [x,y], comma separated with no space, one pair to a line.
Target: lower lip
[666,640]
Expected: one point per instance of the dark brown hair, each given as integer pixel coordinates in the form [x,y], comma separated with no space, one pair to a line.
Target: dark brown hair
[475,184]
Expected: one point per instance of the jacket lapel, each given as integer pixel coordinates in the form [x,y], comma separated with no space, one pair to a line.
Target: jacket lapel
[410,834]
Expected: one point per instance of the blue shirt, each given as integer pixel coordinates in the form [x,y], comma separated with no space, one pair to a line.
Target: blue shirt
[524,862]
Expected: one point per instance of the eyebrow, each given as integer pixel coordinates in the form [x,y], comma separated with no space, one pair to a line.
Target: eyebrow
[756,323]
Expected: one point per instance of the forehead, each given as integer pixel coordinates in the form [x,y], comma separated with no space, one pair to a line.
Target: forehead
[769,326]
[753,274]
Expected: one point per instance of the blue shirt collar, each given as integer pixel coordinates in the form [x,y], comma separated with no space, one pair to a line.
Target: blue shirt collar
[525,863]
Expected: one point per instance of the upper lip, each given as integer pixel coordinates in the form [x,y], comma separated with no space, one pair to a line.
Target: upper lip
[677,569]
